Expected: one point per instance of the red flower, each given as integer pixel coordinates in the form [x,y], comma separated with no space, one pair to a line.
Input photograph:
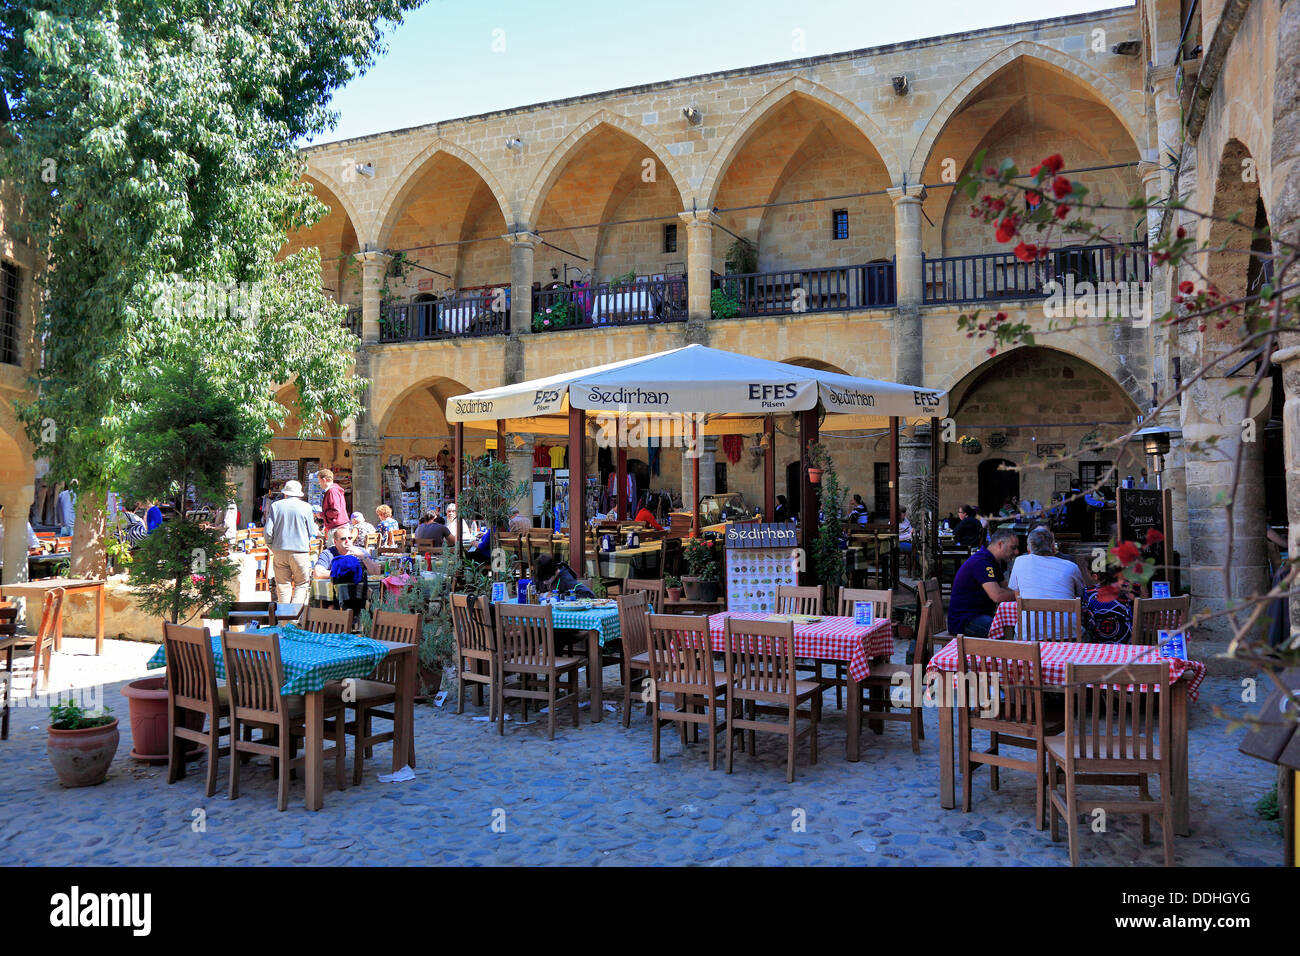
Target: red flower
[1033,198]
[1007,229]
[990,170]
[993,351]
[1126,552]
[1061,187]
[1154,537]
[1181,233]
[1036,170]
[1026,252]
[1054,162]
[1062,210]
[1185,287]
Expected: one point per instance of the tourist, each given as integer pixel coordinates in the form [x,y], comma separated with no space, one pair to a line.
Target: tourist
[67,511]
[346,566]
[860,513]
[1108,610]
[518,524]
[1041,574]
[135,530]
[361,528]
[782,511]
[977,588]
[153,517]
[333,506]
[904,531]
[230,521]
[386,524]
[432,530]
[645,516]
[290,531]
[460,531]
[552,575]
[969,532]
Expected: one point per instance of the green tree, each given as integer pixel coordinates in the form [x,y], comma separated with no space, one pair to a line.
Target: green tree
[152,144]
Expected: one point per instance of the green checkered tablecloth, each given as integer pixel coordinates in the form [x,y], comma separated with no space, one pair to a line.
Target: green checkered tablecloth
[601,619]
[309,659]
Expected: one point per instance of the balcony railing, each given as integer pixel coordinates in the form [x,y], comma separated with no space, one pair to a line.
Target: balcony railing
[646,301]
[1001,276]
[352,321]
[835,289]
[464,317]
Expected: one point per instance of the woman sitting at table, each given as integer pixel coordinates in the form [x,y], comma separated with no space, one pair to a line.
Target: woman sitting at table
[1108,610]
[645,516]
[552,575]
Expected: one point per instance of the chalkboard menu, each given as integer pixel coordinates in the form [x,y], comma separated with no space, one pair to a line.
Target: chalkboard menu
[1139,511]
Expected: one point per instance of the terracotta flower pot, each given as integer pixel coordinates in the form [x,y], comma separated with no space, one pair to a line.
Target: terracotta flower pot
[428,682]
[81,757]
[674,594]
[147,704]
[814,476]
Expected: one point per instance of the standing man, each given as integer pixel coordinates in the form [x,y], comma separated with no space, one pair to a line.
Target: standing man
[290,530]
[67,508]
[333,507]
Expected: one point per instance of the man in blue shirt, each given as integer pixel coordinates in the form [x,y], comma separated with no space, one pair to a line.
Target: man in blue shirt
[978,586]
[153,517]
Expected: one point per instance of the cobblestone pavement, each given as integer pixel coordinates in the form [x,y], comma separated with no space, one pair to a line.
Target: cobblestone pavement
[593,797]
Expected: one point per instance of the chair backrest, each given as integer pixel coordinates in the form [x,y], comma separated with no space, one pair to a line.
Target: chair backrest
[925,628]
[51,619]
[8,620]
[760,659]
[471,621]
[927,589]
[1044,619]
[681,653]
[323,620]
[882,602]
[634,622]
[243,613]
[796,600]
[653,588]
[1151,615]
[372,541]
[191,671]
[526,634]
[1002,676]
[254,675]
[1117,713]
[396,628]
[425,546]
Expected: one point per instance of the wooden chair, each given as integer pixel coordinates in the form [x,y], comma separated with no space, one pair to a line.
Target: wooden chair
[1151,615]
[681,663]
[324,620]
[192,689]
[929,592]
[372,541]
[1116,734]
[652,587]
[884,687]
[9,642]
[240,614]
[526,637]
[634,635]
[254,676]
[1044,619]
[760,670]
[262,573]
[1004,677]
[399,540]
[882,609]
[540,542]
[43,644]
[476,650]
[380,689]
[808,600]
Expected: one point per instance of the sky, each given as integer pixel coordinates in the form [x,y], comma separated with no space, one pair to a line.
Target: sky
[455,58]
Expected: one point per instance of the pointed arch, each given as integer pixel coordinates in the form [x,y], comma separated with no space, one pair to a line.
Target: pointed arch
[390,210]
[1098,84]
[531,208]
[314,171]
[795,86]
[961,381]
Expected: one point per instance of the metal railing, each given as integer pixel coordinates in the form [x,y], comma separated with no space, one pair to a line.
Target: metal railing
[462,317]
[643,302]
[352,321]
[1001,276]
[833,289]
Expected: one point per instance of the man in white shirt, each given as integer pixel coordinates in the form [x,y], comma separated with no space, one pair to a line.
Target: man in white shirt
[67,508]
[1040,574]
[461,533]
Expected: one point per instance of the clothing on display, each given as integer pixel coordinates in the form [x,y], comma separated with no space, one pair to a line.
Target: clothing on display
[557,456]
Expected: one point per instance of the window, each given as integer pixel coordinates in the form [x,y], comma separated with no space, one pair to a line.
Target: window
[1091,472]
[670,237]
[839,224]
[9,290]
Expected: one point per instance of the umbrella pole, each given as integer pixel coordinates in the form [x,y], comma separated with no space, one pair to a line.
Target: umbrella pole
[577,489]
[893,473]
[769,469]
[458,472]
[933,497]
[695,478]
[621,483]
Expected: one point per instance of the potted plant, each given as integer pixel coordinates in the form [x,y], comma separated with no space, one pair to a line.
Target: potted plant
[828,545]
[80,745]
[702,584]
[819,460]
[673,585]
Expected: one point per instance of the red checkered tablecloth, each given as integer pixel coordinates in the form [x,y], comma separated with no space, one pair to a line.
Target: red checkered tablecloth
[1056,654]
[830,639]
[1003,618]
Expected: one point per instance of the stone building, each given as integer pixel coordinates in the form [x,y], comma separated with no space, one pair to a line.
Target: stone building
[838,173]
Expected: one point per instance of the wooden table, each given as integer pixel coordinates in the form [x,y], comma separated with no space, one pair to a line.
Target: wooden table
[30,589]
[1189,675]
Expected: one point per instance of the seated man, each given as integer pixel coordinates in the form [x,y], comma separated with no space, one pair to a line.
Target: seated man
[977,589]
[432,530]
[1042,574]
[552,575]
[346,566]
[969,532]
[518,523]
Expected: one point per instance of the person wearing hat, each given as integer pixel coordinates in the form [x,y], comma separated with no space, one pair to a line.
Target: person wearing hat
[290,530]
[361,528]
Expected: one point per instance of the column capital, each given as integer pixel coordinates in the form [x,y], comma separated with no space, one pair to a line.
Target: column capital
[523,238]
[699,217]
[366,446]
[906,194]
[372,257]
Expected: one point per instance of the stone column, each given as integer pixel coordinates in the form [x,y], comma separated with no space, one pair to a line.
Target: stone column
[907,242]
[914,465]
[522,246]
[699,273]
[366,476]
[373,266]
[708,480]
[17,501]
